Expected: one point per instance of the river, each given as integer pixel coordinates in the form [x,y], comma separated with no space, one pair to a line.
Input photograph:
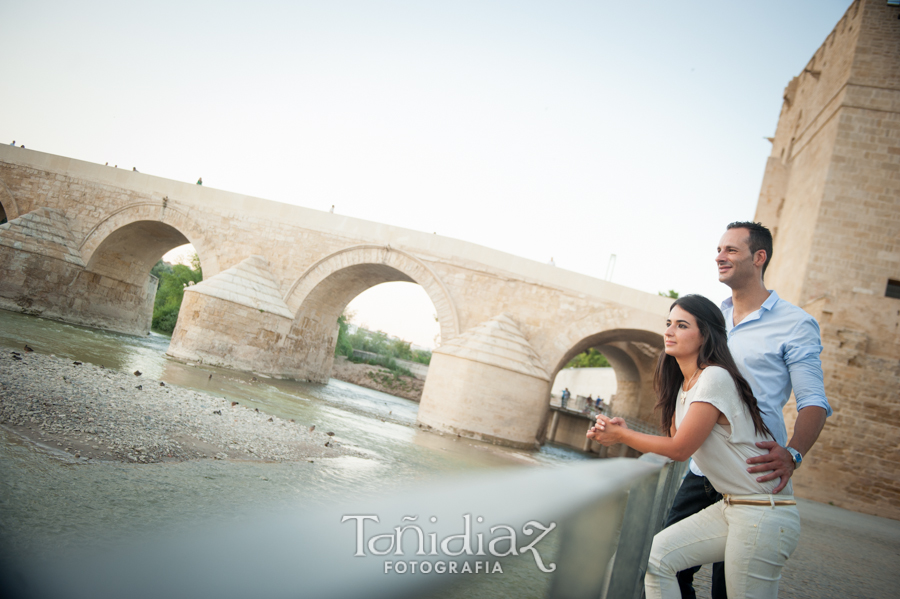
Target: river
[49,501]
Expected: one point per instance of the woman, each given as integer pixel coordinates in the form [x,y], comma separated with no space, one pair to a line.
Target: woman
[709,412]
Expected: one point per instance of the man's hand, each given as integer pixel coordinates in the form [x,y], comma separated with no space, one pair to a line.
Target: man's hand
[779,463]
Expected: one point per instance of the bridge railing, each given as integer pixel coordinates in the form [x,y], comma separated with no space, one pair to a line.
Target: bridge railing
[579,531]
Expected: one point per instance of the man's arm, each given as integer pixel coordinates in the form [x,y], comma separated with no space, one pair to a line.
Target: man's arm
[778,462]
[801,356]
[810,422]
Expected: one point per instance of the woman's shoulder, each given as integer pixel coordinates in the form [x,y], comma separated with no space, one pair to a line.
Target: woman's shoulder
[716,378]
[715,373]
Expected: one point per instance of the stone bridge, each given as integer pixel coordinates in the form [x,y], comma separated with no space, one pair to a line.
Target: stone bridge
[81,239]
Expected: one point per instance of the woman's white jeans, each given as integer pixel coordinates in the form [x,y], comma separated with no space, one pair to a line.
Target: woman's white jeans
[753,541]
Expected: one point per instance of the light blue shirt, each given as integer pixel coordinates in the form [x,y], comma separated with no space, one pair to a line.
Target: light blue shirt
[777,350]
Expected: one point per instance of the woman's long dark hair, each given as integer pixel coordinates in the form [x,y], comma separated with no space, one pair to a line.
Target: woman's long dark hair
[714,352]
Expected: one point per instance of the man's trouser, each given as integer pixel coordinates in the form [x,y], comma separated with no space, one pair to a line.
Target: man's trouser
[695,494]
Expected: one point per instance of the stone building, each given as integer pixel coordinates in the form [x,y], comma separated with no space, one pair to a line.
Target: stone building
[831,195]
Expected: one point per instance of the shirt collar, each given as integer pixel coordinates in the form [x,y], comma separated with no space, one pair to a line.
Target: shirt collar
[770,302]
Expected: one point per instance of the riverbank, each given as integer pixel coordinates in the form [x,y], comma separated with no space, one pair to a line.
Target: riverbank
[94,413]
[377,378]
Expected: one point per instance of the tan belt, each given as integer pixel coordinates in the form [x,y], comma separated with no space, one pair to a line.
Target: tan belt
[771,502]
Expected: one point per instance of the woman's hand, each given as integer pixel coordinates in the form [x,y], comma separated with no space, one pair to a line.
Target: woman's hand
[607,431]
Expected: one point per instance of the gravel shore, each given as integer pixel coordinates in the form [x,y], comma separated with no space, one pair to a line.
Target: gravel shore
[95,413]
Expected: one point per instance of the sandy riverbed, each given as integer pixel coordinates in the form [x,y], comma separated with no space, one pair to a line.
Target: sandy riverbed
[96,413]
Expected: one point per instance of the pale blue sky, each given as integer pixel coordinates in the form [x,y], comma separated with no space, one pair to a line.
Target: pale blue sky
[565,129]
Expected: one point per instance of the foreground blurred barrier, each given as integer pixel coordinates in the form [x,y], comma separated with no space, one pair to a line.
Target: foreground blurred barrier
[580,531]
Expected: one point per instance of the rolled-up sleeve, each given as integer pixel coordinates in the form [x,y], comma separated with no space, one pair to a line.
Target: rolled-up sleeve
[801,355]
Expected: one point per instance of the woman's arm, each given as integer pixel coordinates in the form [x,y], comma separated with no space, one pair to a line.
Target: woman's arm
[694,429]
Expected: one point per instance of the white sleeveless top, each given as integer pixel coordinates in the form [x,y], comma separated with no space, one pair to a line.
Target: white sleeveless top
[723,455]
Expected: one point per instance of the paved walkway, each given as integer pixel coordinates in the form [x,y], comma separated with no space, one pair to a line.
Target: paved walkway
[841,554]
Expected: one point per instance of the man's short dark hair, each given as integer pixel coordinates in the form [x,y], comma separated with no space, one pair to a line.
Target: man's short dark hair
[760,239]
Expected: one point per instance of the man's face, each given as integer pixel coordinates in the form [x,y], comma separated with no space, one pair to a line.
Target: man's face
[734,259]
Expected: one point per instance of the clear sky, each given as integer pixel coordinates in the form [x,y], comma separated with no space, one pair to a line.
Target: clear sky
[571,130]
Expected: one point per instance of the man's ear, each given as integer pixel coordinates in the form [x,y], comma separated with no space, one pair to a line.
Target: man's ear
[759,258]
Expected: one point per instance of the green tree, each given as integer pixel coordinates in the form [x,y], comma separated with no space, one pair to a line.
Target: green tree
[343,347]
[671,293]
[589,359]
[388,350]
[401,349]
[161,268]
[422,356]
[173,279]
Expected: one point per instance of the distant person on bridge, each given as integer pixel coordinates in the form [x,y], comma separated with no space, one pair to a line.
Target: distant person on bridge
[709,412]
[565,397]
[200,181]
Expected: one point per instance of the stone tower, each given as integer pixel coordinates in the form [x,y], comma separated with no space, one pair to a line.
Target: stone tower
[831,195]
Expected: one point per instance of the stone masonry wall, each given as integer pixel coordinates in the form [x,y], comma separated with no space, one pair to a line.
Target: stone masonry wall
[222,333]
[834,202]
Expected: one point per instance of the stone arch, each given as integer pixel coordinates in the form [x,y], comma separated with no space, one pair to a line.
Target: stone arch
[8,203]
[339,277]
[631,351]
[143,231]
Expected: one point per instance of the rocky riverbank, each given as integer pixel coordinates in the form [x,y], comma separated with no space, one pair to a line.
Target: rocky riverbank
[96,413]
[378,378]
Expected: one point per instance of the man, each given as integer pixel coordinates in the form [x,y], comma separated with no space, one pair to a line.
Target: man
[776,346]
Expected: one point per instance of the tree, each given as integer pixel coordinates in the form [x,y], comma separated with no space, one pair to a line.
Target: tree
[422,356]
[671,293]
[343,347]
[401,349]
[173,279]
[589,359]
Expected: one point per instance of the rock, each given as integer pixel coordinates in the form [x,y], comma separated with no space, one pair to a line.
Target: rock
[138,373]
[330,434]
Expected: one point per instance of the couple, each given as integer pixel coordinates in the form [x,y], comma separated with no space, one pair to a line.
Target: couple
[726,412]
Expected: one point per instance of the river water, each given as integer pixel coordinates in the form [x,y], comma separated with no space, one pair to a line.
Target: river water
[49,501]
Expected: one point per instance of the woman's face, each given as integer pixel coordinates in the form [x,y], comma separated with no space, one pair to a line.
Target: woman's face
[682,336]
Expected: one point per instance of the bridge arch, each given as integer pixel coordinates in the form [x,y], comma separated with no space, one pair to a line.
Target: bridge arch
[8,204]
[318,297]
[331,283]
[631,348]
[127,243]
